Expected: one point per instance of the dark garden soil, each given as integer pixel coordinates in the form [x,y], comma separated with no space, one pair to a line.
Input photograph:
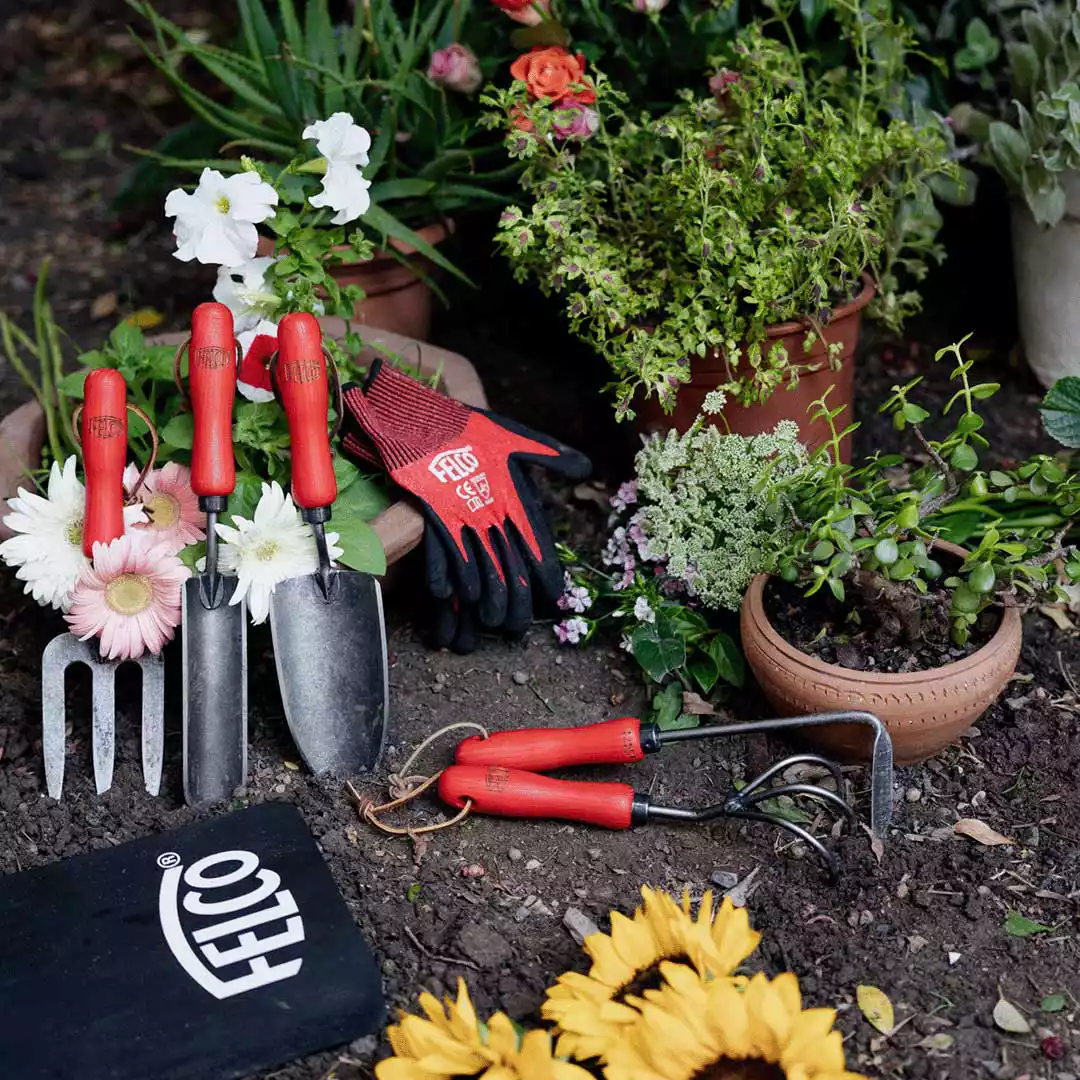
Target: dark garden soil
[925,922]
[853,634]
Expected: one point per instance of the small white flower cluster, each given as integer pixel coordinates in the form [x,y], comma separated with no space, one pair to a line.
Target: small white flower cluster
[708,511]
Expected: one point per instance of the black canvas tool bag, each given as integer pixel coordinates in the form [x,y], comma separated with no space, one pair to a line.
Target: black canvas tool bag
[209,952]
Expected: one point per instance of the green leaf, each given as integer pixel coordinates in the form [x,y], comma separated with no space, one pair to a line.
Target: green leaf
[667,705]
[964,458]
[191,554]
[703,669]
[389,226]
[657,650]
[1017,925]
[361,547]
[914,414]
[728,658]
[980,48]
[71,385]
[1061,411]
[901,570]
[1053,1003]
[412,894]
[245,496]
[363,499]
[1010,151]
[179,432]
[886,552]
[813,11]
[982,578]
[823,549]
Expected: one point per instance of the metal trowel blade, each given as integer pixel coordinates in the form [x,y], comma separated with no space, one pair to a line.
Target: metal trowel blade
[332,669]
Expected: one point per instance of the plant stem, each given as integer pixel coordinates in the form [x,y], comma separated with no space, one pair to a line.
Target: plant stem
[56,355]
[42,317]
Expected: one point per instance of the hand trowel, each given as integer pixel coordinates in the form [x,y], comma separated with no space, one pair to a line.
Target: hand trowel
[215,631]
[328,628]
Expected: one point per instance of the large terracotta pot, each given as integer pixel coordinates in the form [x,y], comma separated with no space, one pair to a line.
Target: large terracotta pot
[924,711]
[400,527]
[397,299]
[710,371]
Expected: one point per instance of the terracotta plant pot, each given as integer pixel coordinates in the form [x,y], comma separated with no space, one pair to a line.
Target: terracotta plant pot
[709,372]
[397,299]
[923,710]
[400,526]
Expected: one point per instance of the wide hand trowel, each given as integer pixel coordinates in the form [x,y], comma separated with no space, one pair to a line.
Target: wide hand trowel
[215,631]
[328,628]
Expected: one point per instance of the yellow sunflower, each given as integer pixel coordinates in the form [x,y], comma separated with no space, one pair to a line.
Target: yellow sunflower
[590,1010]
[713,1029]
[452,1042]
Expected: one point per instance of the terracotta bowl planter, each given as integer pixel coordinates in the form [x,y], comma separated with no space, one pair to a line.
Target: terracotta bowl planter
[923,710]
[398,299]
[400,526]
[709,372]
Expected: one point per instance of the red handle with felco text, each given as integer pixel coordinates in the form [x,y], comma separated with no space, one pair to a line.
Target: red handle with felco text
[517,793]
[300,377]
[212,386]
[613,742]
[103,429]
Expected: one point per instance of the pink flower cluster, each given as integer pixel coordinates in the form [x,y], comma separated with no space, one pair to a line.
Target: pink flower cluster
[627,547]
[575,597]
[571,631]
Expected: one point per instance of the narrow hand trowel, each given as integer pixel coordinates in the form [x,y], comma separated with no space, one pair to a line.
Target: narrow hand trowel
[103,434]
[328,628]
[215,631]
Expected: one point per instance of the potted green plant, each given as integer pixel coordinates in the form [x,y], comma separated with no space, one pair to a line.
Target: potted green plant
[869,608]
[1030,133]
[735,239]
[404,77]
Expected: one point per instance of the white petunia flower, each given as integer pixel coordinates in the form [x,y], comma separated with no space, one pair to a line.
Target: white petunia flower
[273,547]
[344,145]
[244,290]
[643,611]
[47,548]
[215,224]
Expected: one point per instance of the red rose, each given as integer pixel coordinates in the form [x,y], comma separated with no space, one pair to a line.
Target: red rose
[552,72]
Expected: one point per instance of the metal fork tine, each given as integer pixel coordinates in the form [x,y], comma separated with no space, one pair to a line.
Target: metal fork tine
[103,735]
[54,662]
[153,720]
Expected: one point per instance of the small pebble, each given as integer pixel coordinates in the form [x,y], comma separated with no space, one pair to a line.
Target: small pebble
[594,852]
[473,870]
[279,788]
[520,678]
[724,879]
[913,794]
[515,854]
[533,864]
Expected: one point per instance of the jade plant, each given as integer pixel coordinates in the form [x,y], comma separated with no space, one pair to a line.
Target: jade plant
[1030,132]
[764,199]
[871,540]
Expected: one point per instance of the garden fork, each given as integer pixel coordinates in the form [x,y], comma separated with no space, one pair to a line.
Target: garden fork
[104,443]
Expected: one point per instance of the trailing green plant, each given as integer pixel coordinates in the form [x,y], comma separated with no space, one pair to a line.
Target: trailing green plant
[1030,130]
[304,66]
[689,533]
[669,236]
[871,541]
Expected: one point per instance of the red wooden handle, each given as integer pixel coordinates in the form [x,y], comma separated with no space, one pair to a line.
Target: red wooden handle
[212,383]
[104,445]
[517,793]
[300,375]
[613,742]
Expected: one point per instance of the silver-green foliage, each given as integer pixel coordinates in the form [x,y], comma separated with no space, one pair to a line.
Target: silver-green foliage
[1037,136]
[709,505]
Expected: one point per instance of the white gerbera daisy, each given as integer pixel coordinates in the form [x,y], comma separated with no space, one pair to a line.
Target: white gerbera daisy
[47,548]
[215,223]
[276,545]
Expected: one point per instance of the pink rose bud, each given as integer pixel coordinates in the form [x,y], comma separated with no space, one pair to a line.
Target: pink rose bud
[573,119]
[647,7]
[456,68]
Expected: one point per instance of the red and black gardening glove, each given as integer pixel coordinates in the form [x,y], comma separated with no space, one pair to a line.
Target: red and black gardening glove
[488,541]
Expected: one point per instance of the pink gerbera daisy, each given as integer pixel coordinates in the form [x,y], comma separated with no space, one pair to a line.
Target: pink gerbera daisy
[129,596]
[172,508]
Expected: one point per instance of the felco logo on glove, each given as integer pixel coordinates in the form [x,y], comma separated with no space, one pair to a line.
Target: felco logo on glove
[452,466]
[222,922]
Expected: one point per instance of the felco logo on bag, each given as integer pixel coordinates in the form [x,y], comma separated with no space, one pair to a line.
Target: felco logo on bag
[211,927]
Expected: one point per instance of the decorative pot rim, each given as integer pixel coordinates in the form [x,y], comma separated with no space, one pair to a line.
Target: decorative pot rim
[796,326]
[753,602]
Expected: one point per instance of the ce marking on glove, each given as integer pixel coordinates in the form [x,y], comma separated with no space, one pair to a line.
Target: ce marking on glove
[476,492]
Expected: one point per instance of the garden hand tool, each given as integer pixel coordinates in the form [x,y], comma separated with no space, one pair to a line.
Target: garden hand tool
[488,539]
[328,628]
[215,631]
[500,775]
[104,444]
